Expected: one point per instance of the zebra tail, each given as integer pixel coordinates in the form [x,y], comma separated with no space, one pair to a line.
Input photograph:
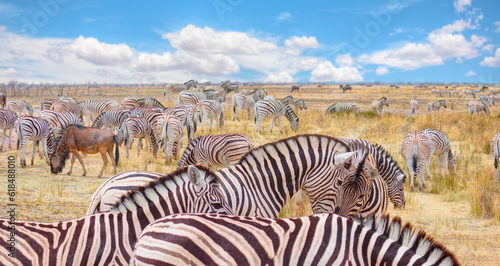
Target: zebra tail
[188,125]
[496,150]
[414,156]
[117,151]
[125,133]
[256,108]
[19,134]
[163,133]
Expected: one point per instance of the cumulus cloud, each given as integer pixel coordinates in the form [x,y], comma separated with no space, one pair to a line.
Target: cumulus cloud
[208,41]
[460,5]
[497,26]
[470,73]
[279,77]
[344,60]
[101,53]
[296,45]
[492,61]
[8,72]
[327,72]
[284,16]
[382,71]
[489,48]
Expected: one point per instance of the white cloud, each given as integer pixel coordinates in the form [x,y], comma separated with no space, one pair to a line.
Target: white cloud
[470,73]
[492,61]
[327,72]
[461,4]
[9,72]
[297,44]
[344,60]
[101,53]
[497,26]
[382,71]
[206,40]
[489,48]
[284,16]
[279,77]
[409,57]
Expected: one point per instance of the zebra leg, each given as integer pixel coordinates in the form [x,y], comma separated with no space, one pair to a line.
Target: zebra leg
[44,146]
[22,152]
[440,163]
[203,119]
[280,119]
[10,138]
[428,169]
[127,146]
[139,146]
[272,125]
[445,159]
[34,151]
[211,121]
[169,151]
[421,174]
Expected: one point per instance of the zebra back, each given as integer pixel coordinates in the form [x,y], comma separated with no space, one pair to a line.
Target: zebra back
[324,239]
[8,119]
[187,157]
[112,118]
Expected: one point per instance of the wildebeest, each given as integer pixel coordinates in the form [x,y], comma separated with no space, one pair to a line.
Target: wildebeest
[88,140]
[3,99]
[294,88]
[345,88]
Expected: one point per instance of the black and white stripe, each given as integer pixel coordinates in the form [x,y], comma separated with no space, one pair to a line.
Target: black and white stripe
[416,150]
[61,106]
[299,105]
[140,128]
[109,238]
[20,106]
[30,128]
[495,148]
[46,104]
[342,107]
[94,108]
[110,119]
[171,136]
[440,146]
[434,106]
[475,107]
[216,150]
[8,120]
[377,105]
[275,110]
[211,109]
[171,88]
[242,102]
[59,121]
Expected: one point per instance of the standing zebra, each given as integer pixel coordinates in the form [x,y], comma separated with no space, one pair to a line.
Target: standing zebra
[194,97]
[486,99]
[288,100]
[109,238]
[3,99]
[187,114]
[20,106]
[342,107]
[129,104]
[46,104]
[416,150]
[440,146]
[469,93]
[495,148]
[446,92]
[216,150]
[171,88]
[68,99]
[111,119]
[434,106]
[321,239]
[72,107]
[275,110]
[34,129]
[299,105]
[211,109]
[137,127]
[172,130]
[8,120]
[377,105]
[455,93]
[240,101]
[414,106]
[59,121]
[92,108]
[475,107]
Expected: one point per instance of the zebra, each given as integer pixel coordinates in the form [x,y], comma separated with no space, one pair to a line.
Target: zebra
[46,104]
[61,106]
[377,105]
[137,127]
[434,106]
[8,120]
[216,150]
[275,110]
[145,102]
[299,105]
[495,148]
[416,150]
[227,88]
[475,107]
[129,104]
[494,92]
[20,106]
[295,88]
[171,88]
[187,114]
[109,238]
[3,99]
[414,106]
[68,99]
[345,88]
[173,130]
[211,109]
[469,93]
[194,97]
[321,239]
[241,101]
[342,107]
[110,119]
[95,108]
[440,146]
[455,93]
[486,99]
[479,91]
[34,129]
[388,168]
[59,121]
[436,92]
[446,92]
[288,100]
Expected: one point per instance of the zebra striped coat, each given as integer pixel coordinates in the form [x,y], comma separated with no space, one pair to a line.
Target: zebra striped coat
[140,128]
[475,107]
[8,120]
[216,150]
[434,106]
[109,238]
[91,108]
[414,106]
[46,104]
[171,135]
[211,109]
[342,107]
[20,106]
[416,150]
[495,148]
[275,110]
[171,88]
[71,107]
[240,101]
[377,105]
[110,119]
[129,104]
[187,114]
[299,105]
[59,121]
[34,129]
[322,239]
[440,146]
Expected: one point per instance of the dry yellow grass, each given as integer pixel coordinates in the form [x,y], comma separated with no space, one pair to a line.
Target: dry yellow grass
[461,210]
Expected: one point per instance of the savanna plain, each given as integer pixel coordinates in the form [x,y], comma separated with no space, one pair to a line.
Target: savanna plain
[461,210]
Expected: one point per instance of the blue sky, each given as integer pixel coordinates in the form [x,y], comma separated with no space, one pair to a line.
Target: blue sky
[267,41]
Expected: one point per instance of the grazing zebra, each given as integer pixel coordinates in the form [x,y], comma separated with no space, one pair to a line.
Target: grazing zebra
[377,105]
[110,119]
[137,128]
[299,105]
[129,104]
[494,92]
[345,88]
[20,106]
[275,110]
[414,106]
[240,101]
[486,99]
[186,113]
[416,150]
[68,99]
[446,92]
[294,88]
[59,121]
[3,99]
[469,93]
[434,106]
[109,238]
[455,93]
[71,107]
[8,120]
[440,146]
[288,100]
[92,108]
[494,99]
[46,104]
[227,88]
[172,130]
[495,148]
[479,91]
[436,92]
[388,168]
[145,102]
[211,109]
[171,88]
[342,107]
[34,129]
[321,239]
[216,150]
[475,107]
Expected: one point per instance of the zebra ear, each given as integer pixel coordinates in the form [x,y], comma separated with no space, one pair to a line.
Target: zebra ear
[340,158]
[195,176]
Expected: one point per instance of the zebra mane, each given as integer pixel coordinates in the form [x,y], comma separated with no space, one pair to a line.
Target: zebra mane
[157,188]
[416,240]
[157,103]
[188,151]
[385,153]
[291,112]
[364,151]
